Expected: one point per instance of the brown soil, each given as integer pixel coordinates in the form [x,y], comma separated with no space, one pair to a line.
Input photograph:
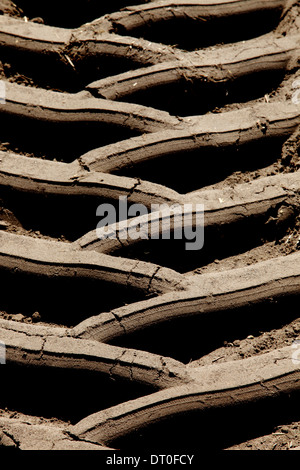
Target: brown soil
[279,237]
[252,345]
[284,437]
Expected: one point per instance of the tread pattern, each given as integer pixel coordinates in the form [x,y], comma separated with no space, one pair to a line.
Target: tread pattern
[119,68]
